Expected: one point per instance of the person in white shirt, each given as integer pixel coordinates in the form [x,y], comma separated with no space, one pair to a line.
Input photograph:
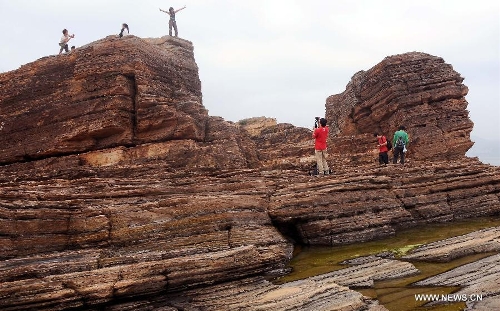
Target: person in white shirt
[124,31]
[64,41]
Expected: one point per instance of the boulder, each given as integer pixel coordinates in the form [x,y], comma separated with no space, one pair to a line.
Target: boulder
[416,90]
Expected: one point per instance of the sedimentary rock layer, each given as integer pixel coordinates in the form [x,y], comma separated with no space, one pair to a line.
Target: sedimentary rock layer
[417,90]
[364,203]
[279,146]
[482,241]
[323,292]
[113,92]
[117,185]
[86,241]
[68,224]
[479,281]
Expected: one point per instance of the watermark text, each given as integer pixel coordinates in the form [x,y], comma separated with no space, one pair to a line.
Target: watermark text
[448,297]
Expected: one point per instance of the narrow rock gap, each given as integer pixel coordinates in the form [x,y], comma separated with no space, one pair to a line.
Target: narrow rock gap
[228,228]
[135,92]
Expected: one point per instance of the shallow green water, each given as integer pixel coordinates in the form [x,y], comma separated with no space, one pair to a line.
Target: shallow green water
[398,294]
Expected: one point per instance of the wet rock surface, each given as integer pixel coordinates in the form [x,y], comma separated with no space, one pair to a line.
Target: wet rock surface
[479,282]
[364,271]
[482,241]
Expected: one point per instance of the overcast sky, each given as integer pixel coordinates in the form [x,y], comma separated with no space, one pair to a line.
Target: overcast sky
[280,58]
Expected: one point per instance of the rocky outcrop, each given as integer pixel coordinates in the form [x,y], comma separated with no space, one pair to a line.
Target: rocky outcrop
[102,133]
[114,92]
[280,146]
[84,241]
[306,295]
[365,203]
[477,281]
[482,241]
[118,189]
[324,292]
[130,225]
[417,90]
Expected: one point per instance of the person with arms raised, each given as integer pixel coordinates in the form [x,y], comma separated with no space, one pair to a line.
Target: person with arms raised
[172,23]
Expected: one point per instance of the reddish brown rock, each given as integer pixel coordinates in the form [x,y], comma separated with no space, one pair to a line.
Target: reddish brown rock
[279,146]
[116,184]
[417,90]
[97,239]
[113,92]
[365,203]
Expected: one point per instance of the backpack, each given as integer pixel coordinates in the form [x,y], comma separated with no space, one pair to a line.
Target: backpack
[389,144]
[400,143]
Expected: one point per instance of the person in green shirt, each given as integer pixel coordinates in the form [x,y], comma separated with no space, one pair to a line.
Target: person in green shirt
[400,143]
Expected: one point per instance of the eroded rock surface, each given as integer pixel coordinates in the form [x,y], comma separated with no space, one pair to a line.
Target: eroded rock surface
[118,189]
[482,241]
[114,92]
[280,146]
[477,279]
[88,240]
[365,203]
[324,292]
[309,295]
[363,271]
[417,90]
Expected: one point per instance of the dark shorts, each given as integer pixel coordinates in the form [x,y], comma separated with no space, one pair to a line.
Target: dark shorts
[64,46]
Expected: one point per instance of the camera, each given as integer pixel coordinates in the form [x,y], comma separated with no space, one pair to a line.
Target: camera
[316,122]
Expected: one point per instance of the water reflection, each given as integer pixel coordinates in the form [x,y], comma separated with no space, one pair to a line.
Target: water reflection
[398,294]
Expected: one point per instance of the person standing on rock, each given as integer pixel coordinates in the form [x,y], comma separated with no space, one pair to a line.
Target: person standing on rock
[383,157]
[320,136]
[64,41]
[171,22]
[124,31]
[400,143]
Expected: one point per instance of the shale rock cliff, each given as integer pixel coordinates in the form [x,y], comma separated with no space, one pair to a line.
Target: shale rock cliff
[119,191]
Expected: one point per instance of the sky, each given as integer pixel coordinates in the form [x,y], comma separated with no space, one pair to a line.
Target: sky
[280,58]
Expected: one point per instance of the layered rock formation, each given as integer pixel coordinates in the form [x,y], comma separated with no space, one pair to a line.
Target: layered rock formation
[279,146]
[101,134]
[479,280]
[114,92]
[483,241]
[363,203]
[417,90]
[118,189]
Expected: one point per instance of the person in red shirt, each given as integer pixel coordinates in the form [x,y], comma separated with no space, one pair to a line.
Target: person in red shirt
[383,157]
[320,135]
